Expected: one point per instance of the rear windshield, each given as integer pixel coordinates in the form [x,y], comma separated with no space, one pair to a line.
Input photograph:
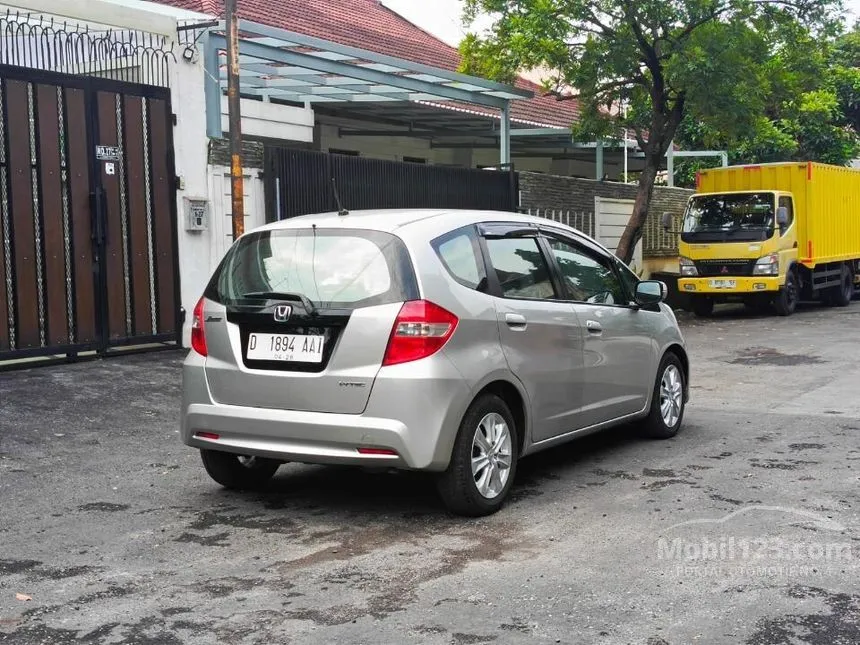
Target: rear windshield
[336,269]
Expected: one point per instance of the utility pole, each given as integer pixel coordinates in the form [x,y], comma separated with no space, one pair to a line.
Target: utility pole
[237,189]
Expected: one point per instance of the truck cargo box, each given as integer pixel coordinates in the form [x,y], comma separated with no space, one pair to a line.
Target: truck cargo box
[826,203]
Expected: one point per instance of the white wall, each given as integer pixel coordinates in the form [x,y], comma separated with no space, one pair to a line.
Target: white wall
[396,148]
[190,145]
[221,209]
[610,219]
[272,120]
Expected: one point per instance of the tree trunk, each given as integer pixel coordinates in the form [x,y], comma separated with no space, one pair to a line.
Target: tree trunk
[633,233]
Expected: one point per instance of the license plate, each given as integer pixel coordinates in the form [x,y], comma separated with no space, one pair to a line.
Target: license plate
[291,348]
[723,284]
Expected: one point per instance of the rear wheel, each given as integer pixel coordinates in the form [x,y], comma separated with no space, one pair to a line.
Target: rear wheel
[667,400]
[703,307]
[484,460]
[788,296]
[238,472]
[841,296]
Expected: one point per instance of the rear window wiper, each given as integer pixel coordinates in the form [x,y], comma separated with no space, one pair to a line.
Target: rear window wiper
[276,295]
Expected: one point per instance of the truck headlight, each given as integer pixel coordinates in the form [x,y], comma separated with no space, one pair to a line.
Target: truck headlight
[768,265]
[688,267]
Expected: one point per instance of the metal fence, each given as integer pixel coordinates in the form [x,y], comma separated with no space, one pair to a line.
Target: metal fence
[299,182]
[40,43]
[580,220]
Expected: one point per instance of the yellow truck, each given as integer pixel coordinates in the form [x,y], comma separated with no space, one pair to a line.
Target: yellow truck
[771,234]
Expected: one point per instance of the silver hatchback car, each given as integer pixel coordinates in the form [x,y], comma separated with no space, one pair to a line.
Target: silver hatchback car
[454,342]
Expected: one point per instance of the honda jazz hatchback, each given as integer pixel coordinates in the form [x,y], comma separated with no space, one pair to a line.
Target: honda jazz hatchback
[453,342]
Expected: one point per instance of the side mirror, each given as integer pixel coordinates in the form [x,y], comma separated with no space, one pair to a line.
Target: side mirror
[650,292]
[782,217]
[667,221]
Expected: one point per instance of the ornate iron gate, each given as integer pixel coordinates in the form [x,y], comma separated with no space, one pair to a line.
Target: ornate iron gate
[88,246]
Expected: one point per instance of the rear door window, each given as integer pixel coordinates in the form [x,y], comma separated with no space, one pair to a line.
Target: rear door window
[521,268]
[341,269]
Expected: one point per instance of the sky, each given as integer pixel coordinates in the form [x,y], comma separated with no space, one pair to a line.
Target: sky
[442,17]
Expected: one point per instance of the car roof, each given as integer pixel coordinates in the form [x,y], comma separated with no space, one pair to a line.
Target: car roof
[404,221]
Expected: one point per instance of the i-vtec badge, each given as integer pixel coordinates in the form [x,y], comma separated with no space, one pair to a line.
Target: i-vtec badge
[351,384]
[282,313]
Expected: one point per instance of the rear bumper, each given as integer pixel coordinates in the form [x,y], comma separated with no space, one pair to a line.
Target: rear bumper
[743,285]
[414,411]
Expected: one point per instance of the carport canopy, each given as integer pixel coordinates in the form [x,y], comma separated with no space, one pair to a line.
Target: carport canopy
[282,65]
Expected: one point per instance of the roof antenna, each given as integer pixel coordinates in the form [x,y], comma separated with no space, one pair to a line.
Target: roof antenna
[340,209]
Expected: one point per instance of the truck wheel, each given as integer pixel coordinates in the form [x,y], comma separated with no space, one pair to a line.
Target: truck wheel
[703,307]
[786,300]
[842,295]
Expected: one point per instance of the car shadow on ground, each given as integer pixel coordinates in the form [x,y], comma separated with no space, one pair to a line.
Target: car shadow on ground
[335,490]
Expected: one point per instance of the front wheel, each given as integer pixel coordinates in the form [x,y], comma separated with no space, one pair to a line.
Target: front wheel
[788,296]
[238,472]
[667,401]
[484,460]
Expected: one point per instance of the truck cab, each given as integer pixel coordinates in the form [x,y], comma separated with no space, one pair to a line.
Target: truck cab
[735,246]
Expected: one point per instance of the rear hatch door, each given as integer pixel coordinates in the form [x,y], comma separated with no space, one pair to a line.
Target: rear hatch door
[303,317]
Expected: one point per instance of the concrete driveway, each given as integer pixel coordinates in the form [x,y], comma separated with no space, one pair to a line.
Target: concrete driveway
[743,529]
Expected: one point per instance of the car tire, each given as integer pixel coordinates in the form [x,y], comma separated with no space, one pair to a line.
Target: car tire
[664,421]
[465,487]
[238,472]
[703,307]
[786,300]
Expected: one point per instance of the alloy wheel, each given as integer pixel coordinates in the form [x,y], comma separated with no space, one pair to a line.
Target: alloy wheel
[492,455]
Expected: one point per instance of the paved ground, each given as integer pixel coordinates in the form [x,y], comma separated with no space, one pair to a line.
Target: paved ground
[112,528]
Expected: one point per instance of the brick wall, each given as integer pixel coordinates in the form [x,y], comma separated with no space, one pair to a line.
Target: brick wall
[551,192]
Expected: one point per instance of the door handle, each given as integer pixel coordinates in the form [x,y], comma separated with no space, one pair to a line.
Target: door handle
[516,321]
[593,326]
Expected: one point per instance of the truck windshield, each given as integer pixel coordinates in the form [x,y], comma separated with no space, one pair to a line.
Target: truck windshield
[734,217]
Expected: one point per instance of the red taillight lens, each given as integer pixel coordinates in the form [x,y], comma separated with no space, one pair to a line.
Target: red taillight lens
[198,330]
[421,329]
[377,452]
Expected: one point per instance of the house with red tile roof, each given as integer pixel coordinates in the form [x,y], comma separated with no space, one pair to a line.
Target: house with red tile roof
[431,131]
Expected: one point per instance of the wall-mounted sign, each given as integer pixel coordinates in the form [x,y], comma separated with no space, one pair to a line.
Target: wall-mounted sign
[108,153]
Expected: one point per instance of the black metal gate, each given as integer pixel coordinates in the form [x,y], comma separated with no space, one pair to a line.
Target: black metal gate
[88,242]
[299,182]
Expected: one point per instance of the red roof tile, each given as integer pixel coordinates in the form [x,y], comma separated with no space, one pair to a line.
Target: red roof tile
[369,25]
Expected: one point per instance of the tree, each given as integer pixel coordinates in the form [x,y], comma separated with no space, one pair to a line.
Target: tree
[812,112]
[662,59]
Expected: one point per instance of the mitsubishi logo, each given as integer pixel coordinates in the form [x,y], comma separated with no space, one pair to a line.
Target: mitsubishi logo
[725,270]
[282,313]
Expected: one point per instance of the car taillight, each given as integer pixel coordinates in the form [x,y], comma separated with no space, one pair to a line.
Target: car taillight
[198,330]
[421,329]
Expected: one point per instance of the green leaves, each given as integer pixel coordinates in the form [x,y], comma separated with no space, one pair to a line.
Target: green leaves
[718,60]
[751,75]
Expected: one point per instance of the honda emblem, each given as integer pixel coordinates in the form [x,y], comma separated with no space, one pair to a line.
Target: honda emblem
[282,313]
